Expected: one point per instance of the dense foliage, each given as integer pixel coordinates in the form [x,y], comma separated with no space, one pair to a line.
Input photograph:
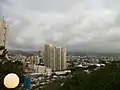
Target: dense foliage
[7,67]
[105,78]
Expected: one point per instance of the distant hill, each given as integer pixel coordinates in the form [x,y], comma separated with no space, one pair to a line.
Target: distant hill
[90,53]
[13,52]
[29,53]
[76,53]
[21,52]
[32,52]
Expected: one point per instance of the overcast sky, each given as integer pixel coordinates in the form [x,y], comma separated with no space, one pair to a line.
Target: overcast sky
[79,25]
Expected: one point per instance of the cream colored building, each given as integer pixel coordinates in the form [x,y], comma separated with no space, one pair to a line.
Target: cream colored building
[46,55]
[63,58]
[58,58]
[49,56]
[32,60]
[48,71]
[3,32]
[54,57]
[40,69]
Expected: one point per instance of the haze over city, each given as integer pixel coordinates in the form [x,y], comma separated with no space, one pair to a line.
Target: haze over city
[79,25]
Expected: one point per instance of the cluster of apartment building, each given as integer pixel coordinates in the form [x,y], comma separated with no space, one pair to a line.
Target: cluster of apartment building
[54,57]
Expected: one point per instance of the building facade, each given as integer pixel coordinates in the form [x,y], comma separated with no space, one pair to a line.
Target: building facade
[49,56]
[3,32]
[54,57]
[63,58]
[58,58]
[46,56]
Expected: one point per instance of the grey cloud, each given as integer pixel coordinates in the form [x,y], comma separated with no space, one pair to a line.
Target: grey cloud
[14,33]
[66,29]
[53,5]
[117,20]
[78,24]
[1,4]
[27,44]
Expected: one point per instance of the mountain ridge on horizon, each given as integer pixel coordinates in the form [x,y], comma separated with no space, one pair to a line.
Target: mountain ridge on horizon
[68,52]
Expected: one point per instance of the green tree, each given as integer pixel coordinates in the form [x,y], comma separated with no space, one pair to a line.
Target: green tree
[105,78]
[7,67]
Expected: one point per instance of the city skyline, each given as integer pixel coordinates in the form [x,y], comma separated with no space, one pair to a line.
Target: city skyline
[79,25]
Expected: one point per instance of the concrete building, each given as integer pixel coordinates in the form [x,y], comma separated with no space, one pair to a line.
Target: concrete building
[63,58]
[58,58]
[48,71]
[49,56]
[46,54]
[40,58]
[43,70]
[54,57]
[40,69]
[3,32]
[37,60]
[33,60]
